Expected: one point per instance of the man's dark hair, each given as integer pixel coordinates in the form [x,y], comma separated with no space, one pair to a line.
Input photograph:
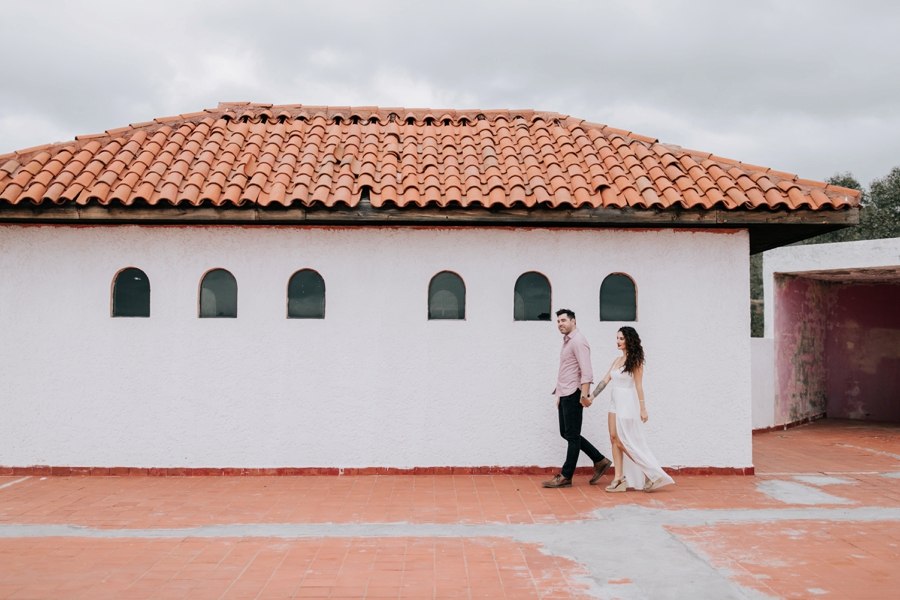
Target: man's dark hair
[566,311]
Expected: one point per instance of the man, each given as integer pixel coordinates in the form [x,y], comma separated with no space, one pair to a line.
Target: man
[573,387]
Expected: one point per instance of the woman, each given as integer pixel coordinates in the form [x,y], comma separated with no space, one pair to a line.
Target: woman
[627,415]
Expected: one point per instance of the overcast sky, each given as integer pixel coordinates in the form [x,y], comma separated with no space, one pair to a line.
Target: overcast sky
[809,87]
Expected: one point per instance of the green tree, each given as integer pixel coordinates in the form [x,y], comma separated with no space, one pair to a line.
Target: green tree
[884,196]
[757,324]
[879,213]
[879,217]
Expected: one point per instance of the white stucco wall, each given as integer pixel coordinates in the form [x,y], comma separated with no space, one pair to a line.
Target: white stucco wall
[762,381]
[823,257]
[375,383]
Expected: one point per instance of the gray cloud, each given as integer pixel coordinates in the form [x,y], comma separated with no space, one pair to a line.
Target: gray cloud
[804,86]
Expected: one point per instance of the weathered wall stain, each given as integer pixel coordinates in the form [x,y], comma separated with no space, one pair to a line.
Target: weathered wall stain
[800,328]
[837,350]
[863,352]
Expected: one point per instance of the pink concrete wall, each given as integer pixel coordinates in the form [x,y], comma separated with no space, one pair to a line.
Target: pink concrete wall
[863,352]
[801,307]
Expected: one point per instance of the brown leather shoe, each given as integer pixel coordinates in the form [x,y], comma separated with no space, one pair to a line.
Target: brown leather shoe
[557,482]
[600,468]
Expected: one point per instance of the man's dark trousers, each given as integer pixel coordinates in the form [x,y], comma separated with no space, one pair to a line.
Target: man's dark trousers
[570,410]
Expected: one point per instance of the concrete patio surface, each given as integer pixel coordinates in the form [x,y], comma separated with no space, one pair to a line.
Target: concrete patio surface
[821,518]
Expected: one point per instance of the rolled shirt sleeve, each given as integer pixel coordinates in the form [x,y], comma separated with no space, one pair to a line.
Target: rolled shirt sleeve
[583,356]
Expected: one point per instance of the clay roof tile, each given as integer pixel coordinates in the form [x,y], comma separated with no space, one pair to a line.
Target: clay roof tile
[817,197]
[259,153]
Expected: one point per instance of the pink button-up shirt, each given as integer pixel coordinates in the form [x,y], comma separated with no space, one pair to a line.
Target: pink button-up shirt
[574,364]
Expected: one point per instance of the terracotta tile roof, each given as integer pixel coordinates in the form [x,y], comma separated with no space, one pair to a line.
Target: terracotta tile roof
[243,153]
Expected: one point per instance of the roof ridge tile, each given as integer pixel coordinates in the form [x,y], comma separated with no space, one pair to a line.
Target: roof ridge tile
[782,174]
[811,183]
[841,190]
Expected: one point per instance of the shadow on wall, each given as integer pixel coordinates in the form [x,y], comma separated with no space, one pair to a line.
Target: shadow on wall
[863,352]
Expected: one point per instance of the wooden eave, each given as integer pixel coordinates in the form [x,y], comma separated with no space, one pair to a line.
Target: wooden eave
[767,228]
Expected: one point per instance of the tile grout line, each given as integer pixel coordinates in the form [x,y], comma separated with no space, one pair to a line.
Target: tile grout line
[307,571]
[244,570]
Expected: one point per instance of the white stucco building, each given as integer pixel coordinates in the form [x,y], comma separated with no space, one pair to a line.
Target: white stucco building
[377,202]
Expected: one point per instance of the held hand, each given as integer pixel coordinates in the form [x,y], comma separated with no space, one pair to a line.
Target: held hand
[586,401]
[644,415]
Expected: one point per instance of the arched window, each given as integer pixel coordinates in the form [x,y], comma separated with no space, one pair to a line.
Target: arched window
[218,295]
[306,295]
[131,294]
[447,296]
[618,299]
[532,301]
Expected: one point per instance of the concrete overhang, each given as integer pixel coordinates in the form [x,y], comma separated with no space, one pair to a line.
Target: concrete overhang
[860,262]
[864,275]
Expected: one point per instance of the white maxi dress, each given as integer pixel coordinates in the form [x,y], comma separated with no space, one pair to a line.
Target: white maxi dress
[638,461]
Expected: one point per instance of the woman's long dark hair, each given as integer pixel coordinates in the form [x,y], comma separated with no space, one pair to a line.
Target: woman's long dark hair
[634,352]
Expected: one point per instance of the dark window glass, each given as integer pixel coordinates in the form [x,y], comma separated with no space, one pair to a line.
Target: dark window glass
[218,295]
[306,295]
[532,301]
[618,301]
[131,294]
[446,296]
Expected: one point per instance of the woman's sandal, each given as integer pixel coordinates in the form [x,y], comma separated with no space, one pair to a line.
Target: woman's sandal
[652,485]
[617,485]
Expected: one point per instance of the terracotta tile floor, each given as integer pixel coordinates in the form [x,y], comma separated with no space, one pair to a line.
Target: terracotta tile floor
[469,536]
[800,559]
[275,568]
[114,503]
[829,445]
